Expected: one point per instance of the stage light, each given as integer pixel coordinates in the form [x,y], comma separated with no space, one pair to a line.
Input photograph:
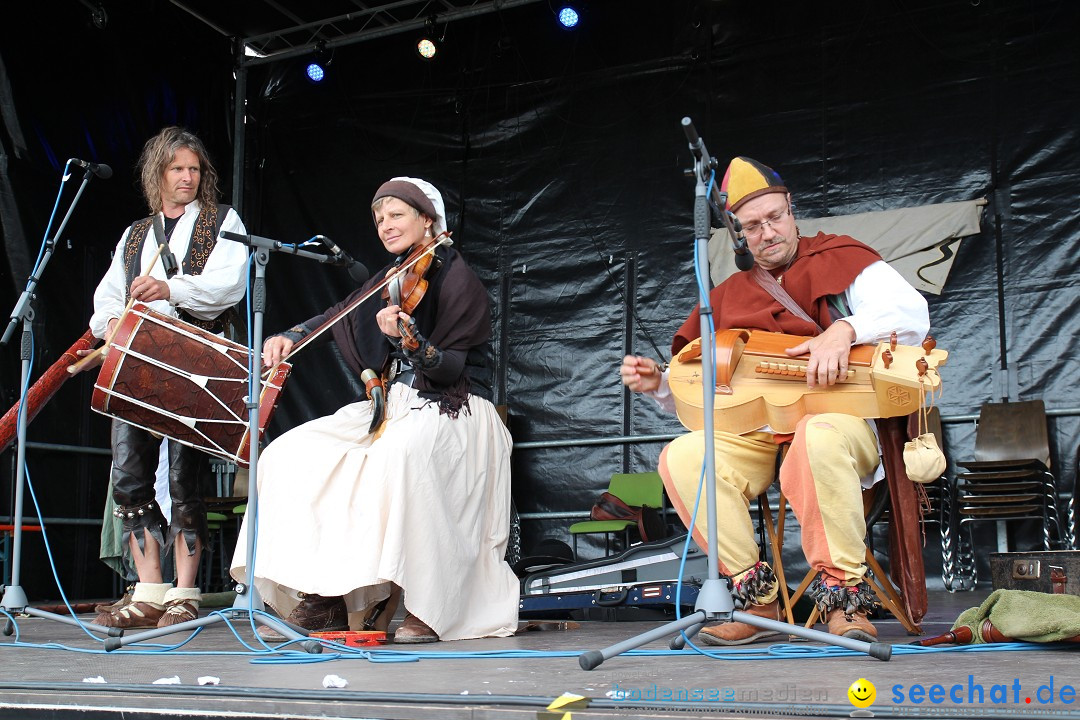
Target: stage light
[426,48]
[315,68]
[569,17]
[315,72]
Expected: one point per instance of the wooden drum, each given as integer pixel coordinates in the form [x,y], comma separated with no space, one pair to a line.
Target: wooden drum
[180,381]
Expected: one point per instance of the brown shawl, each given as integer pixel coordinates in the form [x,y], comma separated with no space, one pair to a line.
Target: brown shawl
[454,314]
[824,265]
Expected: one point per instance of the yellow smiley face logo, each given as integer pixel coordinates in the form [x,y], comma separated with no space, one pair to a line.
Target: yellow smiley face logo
[862,693]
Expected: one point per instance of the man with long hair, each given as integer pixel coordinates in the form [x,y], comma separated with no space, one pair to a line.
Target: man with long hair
[180,186]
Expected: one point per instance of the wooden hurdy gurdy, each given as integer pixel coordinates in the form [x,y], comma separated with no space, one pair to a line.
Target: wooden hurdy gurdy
[757,384]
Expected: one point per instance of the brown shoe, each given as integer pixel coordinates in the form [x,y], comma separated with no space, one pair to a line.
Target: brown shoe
[181,605]
[740,633]
[851,625]
[178,611]
[132,615]
[315,613]
[414,630]
[109,607]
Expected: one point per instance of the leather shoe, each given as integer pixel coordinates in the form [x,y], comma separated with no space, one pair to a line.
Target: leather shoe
[851,625]
[178,611]
[315,613]
[133,615]
[740,633]
[414,630]
[107,607]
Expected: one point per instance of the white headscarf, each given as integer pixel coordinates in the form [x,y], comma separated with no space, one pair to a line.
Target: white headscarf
[439,224]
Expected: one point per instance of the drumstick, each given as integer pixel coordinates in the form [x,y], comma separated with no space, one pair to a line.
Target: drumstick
[87,359]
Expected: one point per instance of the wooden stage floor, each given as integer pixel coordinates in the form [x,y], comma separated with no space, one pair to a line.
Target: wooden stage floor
[43,675]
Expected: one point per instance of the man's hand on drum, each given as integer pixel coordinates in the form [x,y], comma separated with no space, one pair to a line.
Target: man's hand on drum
[275,348]
[640,374]
[146,289]
[388,317]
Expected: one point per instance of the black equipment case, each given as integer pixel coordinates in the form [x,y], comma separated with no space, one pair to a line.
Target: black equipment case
[645,575]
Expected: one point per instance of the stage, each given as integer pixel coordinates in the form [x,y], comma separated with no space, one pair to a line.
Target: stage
[45,672]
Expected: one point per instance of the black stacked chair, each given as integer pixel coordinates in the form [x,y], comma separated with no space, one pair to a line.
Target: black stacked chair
[1071,509]
[1009,479]
[936,498]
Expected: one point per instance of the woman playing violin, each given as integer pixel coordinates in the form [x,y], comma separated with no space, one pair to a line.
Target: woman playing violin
[351,510]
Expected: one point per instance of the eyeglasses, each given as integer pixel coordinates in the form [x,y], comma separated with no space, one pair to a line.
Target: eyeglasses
[752,231]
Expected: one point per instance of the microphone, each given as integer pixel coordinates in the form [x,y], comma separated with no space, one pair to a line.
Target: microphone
[743,259]
[102,170]
[357,270]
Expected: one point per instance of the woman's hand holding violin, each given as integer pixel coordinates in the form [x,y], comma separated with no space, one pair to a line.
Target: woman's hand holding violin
[388,318]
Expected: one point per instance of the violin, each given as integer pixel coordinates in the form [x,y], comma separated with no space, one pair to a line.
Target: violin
[408,288]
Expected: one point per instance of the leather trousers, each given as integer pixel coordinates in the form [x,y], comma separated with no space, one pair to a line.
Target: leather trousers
[135,461]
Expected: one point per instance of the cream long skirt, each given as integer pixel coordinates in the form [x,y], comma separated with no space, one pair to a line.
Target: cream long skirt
[424,505]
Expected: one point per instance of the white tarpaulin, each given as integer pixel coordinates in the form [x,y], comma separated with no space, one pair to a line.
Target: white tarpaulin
[920,242]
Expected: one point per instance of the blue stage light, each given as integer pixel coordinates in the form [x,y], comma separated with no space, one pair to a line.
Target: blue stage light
[568,16]
[317,64]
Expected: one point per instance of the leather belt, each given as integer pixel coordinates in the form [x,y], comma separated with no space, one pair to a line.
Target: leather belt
[399,372]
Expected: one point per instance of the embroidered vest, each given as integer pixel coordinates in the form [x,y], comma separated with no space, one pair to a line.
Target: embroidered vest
[203,239]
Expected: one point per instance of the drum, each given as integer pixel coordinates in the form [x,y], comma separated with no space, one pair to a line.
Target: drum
[177,380]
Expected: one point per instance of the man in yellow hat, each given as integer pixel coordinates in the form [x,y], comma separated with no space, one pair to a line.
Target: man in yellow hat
[838,292]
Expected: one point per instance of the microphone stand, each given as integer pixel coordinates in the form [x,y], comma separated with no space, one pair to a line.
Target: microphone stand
[247,596]
[14,600]
[714,601]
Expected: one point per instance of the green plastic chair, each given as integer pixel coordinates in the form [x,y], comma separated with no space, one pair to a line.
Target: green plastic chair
[645,489]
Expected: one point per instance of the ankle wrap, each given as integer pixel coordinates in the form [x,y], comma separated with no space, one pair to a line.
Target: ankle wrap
[138,520]
[850,598]
[756,585]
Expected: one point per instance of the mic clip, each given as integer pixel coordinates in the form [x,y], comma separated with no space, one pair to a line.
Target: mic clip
[743,259]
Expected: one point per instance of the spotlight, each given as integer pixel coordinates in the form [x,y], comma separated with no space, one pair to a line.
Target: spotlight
[315,72]
[569,17]
[425,46]
[315,67]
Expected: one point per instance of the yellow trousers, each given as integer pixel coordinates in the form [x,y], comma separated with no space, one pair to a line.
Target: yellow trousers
[820,476]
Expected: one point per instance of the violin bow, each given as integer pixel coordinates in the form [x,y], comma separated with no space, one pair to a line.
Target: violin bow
[442,239]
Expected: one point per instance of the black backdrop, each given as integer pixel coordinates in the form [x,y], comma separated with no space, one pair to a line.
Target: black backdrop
[562,162]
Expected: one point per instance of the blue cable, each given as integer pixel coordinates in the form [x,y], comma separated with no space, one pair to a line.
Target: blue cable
[21,419]
[52,218]
[254,386]
[707,382]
